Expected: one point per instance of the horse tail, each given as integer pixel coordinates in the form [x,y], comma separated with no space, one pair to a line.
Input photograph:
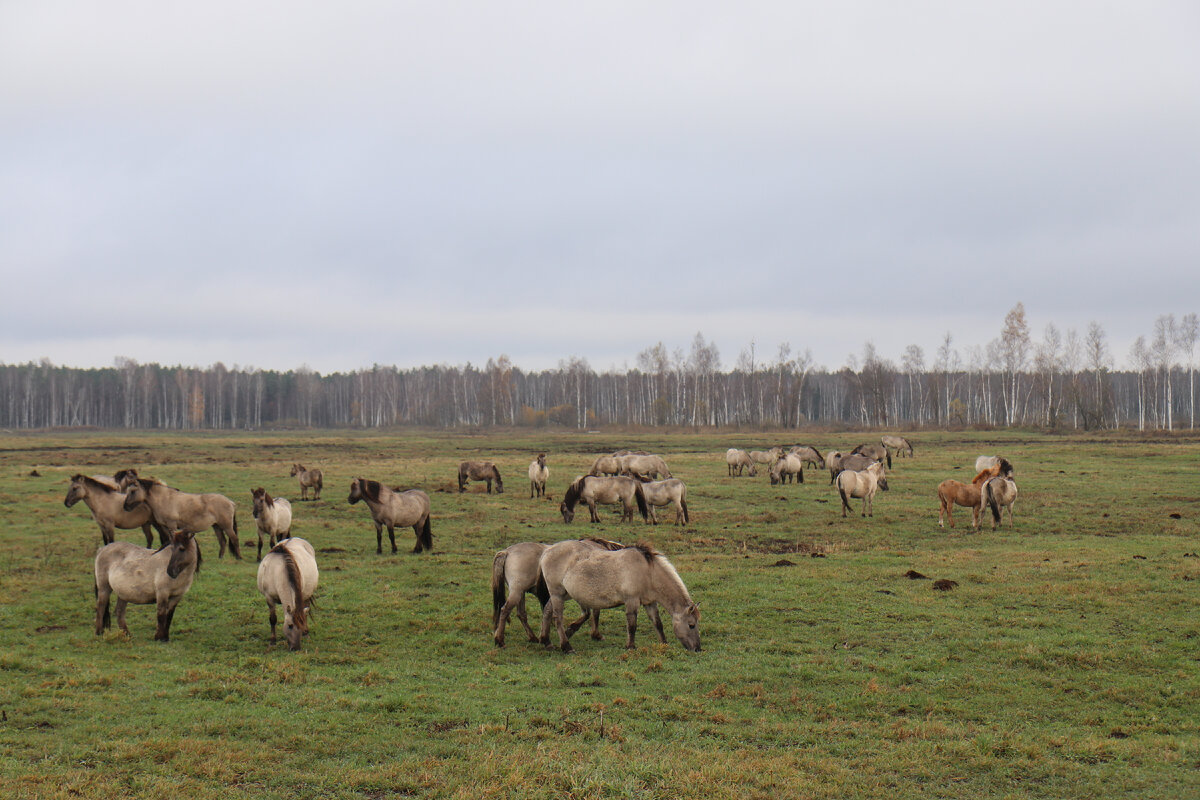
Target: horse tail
[889,457]
[842,492]
[540,590]
[641,501]
[683,505]
[992,503]
[426,537]
[498,595]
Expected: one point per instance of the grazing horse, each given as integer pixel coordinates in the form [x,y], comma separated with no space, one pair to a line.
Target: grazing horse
[185,511]
[864,484]
[638,465]
[809,455]
[539,473]
[140,575]
[876,452]
[479,471]
[767,457]
[106,501]
[308,478]
[633,577]
[274,517]
[951,493]
[999,493]
[672,491]
[899,444]
[606,465]
[986,462]
[604,490]
[288,577]
[787,468]
[737,460]
[392,507]
[516,567]
[833,460]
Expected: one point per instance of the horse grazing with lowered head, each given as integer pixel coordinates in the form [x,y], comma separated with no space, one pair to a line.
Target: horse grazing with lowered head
[898,444]
[274,518]
[633,577]
[516,567]
[595,490]
[185,511]
[638,465]
[808,455]
[999,493]
[539,473]
[141,576]
[106,501]
[876,452]
[864,484]
[786,469]
[288,577]
[671,491]
[767,457]
[309,479]
[479,471]
[606,465]
[392,507]
[737,460]
[951,493]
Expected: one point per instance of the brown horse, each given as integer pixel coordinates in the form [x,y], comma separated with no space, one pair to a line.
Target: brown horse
[288,577]
[479,471]
[185,511]
[737,460]
[604,490]
[392,507]
[106,501]
[308,478]
[951,493]
[539,473]
[140,575]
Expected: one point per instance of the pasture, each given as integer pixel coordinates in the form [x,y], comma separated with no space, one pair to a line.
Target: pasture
[1065,663]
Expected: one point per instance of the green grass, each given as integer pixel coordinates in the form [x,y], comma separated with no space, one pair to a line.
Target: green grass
[1064,664]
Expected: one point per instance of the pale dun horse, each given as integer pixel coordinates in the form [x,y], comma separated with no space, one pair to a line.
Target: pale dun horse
[142,576]
[106,501]
[539,473]
[632,577]
[274,518]
[185,511]
[737,460]
[394,507]
[516,567]
[671,492]
[288,577]
[309,478]
[862,484]
[998,494]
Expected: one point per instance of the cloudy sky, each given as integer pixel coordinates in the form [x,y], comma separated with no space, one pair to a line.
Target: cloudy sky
[341,184]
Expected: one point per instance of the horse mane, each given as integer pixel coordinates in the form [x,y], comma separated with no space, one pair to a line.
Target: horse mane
[857,450]
[370,489]
[646,549]
[99,484]
[121,475]
[607,544]
[571,496]
[1005,466]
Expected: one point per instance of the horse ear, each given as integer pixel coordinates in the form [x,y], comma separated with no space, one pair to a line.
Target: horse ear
[695,607]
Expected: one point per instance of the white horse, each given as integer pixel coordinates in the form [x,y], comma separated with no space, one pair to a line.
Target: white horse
[864,484]
[274,518]
[288,577]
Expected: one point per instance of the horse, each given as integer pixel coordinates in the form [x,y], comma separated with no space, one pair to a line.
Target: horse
[592,490]
[767,457]
[539,473]
[787,468]
[141,575]
[637,465]
[606,465]
[874,451]
[808,455]
[308,478]
[985,462]
[186,511]
[392,507]
[737,460]
[833,460]
[665,493]
[999,493]
[106,501]
[951,493]
[274,517]
[479,471]
[864,484]
[856,462]
[632,576]
[899,444]
[516,567]
[288,577]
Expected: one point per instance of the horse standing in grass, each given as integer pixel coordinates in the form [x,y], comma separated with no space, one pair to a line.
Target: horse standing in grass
[999,493]
[479,471]
[876,452]
[899,444]
[392,507]
[606,465]
[808,455]
[951,493]
[539,473]
[140,575]
[862,484]
[633,577]
[987,462]
[106,501]
[516,567]
[309,478]
[787,468]
[737,460]
[288,577]
[185,511]
[274,518]
[672,491]
[767,457]
[603,490]
[637,465]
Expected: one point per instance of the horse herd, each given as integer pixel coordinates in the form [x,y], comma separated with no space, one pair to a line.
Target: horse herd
[596,573]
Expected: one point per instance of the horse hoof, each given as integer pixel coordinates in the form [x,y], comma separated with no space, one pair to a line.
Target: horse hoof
[598,636]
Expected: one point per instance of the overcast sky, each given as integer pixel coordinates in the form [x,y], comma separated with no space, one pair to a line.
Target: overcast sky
[341,184]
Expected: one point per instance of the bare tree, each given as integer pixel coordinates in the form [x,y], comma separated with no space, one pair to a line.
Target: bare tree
[1098,360]
[1047,360]
[1013,354]
[1188,333]
[1163,350]
[1139,354]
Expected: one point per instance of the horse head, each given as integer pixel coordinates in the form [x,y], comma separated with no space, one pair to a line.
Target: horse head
[76,492]
[260,499]
[135,495]
[685,625]
[184,553]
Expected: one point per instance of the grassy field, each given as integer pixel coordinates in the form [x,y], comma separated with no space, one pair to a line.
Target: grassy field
[1065,664]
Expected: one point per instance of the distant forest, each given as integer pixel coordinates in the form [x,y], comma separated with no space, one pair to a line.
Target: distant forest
[1058,382]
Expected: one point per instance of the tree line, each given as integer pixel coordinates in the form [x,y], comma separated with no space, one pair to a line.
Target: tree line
[1060,381]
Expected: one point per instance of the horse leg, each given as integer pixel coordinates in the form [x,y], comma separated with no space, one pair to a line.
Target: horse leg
[564,640]
[120,611]
[220,540]
[547,618]
[630,624]
[652,613]
[274,619]
[163,632]
[392,536]
[523,617]
[103,620]
[164,536]
[592,510]
[378,539]
[149,535]
[259,556]
[577,624]
[489,485]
